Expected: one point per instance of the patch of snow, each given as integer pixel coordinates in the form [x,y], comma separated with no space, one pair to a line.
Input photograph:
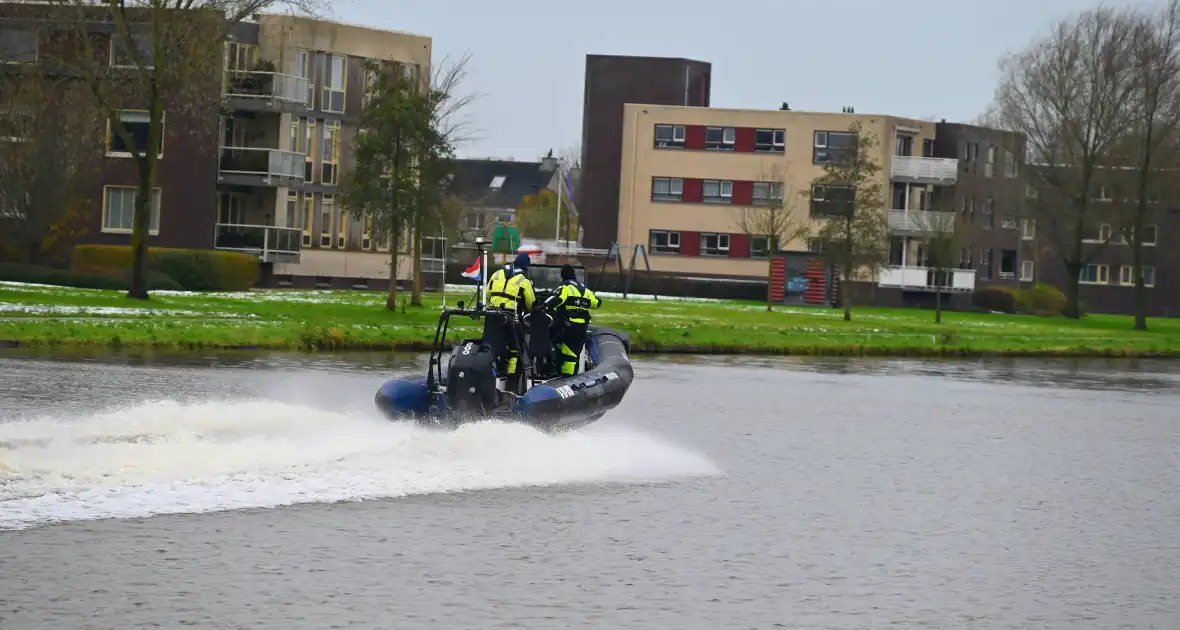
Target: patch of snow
[48,309]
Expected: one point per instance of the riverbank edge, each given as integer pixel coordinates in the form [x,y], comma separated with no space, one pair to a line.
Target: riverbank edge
[637,348]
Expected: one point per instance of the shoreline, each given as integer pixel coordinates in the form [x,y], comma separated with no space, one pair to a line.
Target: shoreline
[641,349]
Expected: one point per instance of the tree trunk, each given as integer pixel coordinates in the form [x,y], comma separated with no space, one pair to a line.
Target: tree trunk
[1072,307]
[143,202]
[842,294]
[1140,288]
[394,246]
[937,299]
[416,287]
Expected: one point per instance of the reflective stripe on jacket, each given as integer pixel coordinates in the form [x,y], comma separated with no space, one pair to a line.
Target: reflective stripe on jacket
[505,290]
[576,301]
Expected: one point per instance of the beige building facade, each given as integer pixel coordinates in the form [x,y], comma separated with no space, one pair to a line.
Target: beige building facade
[300,87]
[689,174]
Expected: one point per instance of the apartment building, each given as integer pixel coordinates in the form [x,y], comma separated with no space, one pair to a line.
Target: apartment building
[689,173]
[260,169]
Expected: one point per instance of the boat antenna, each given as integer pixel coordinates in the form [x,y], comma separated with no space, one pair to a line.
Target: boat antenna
[481,288]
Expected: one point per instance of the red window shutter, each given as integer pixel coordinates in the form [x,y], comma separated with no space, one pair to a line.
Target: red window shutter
[743,141]
[739,246]
[690,243]
[693,191]
[694,137]
[743,193]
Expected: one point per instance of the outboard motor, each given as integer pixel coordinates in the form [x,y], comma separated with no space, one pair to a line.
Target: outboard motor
[471,377]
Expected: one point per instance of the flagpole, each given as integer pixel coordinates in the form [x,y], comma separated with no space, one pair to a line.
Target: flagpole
[560,186]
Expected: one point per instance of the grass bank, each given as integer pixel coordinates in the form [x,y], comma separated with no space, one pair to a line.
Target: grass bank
[37,315]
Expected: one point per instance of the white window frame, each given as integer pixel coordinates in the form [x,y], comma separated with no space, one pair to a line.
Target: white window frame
[1027,268]
[672,235]
[1028,230]
[778,140]
[157,195]
[113,52]
[1154,238]
[675,186]
[728,137]
[1127,274]
[722,243]
[137,113]
[724,191]
[774,193]
[677,140]
[1101,272]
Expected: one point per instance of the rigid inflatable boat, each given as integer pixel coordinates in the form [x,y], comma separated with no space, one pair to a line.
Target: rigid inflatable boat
[464,386]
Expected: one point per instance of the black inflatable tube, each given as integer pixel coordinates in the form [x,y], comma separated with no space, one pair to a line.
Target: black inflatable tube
[573,401]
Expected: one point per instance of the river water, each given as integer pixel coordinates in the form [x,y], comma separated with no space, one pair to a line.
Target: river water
[261,491]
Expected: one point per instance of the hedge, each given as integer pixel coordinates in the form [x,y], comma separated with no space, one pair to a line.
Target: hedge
[193,269]
[1041,299]
[995,299]
[117,280]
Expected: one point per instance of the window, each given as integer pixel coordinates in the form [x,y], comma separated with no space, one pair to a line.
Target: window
[1127,275]
[330,160]
[1028,229]
[965,261]
[497,182]
[1007,263]
[308,214]
[969,207]
[18,45]
[985,264]
[832,201]
[770,140]
[664,242]
[719,138]
[135,123]
[231,208]
[970,151]
[989,214]
[718,191]
[118,210]
[367,233]
[1149,235]
[670,136]
[335,73]
[989,167]
[342,229]
[124,55]
[768,193]
[1103,194]
[240,57]
[1030,191]
[714,244]
[1009,164]
[302,69]
[759,246]
[1026,271]
[667,188]
[831,147]
[927,147]
[1010,221]
[293,209]
[309,147]
[1094,274]
[1104,234]
[326,208]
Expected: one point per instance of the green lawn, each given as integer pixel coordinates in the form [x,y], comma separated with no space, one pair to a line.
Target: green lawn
[55,316]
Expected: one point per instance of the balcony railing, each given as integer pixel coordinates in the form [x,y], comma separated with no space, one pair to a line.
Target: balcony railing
[269,86]
[267,164]
[921,221]
[924,170]
[269,242]
[927,279]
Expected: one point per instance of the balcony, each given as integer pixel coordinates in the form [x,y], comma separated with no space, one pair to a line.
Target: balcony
[249,166]
[924,170]
[924,279]
[269,242]
[267,92]
[920,222]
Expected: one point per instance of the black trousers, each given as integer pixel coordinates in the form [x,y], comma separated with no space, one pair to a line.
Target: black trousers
[570,341]
[499,334]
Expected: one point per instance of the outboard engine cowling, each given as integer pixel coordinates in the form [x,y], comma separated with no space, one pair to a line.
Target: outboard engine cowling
[471,377]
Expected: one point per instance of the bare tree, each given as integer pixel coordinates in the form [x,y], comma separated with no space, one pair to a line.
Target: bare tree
[50,154]
[1154,109]
[1067,93]
[161,57]
[943,237]
[774,217]
[449,127]
[848,197]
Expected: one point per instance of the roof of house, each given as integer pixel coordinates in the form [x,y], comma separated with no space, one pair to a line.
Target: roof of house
[498,183]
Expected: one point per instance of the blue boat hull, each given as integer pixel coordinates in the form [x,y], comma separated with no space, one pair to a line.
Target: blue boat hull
[556,405]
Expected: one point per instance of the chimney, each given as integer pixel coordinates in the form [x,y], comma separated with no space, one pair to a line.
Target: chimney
[785,107]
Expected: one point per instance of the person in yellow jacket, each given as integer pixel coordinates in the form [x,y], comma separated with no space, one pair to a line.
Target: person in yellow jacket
[509,289]
[572,305]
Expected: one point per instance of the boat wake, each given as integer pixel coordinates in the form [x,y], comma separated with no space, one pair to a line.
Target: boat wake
[168,458]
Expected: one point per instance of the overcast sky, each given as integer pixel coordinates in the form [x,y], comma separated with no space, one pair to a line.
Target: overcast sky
[916,58]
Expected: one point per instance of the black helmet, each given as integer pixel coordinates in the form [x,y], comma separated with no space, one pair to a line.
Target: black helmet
[567,273]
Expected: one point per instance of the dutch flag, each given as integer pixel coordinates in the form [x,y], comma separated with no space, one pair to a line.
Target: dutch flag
[472,272]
